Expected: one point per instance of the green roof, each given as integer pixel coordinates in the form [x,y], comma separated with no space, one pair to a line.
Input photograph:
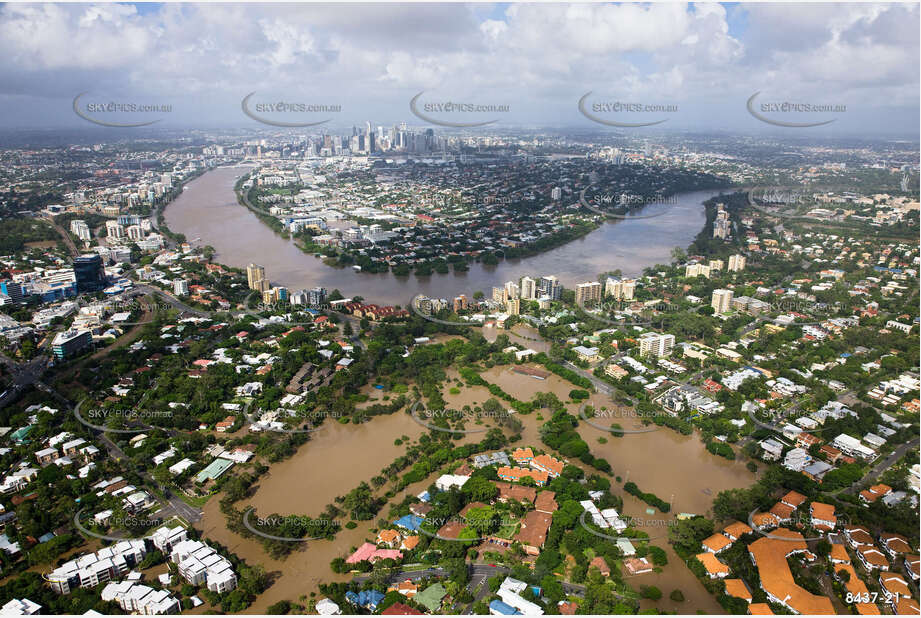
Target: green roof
[214,469]
[21,433]
[431,597]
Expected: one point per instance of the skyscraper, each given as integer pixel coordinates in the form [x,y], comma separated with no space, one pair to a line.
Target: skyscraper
[89,273]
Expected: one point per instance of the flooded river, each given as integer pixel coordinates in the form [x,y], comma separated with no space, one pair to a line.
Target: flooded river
[208,210]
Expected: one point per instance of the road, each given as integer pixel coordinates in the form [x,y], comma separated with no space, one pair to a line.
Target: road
[882,466]
[65,236]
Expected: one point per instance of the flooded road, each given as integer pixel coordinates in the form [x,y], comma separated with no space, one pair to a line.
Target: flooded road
[208,209]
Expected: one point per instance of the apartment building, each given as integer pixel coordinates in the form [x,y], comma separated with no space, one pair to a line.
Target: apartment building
[588,293]
[90,570]
[201,564]
[697,270]
[721,301]
[654,344]
[620,289]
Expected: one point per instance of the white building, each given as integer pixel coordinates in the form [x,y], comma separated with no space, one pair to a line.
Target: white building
[654,344]
[201,564]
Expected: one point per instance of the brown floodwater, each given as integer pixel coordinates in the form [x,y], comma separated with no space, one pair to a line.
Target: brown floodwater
[208,210]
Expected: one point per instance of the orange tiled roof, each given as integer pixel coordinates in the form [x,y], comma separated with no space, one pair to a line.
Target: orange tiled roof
[867,609]
[854,585]
[793,498]
[770,556]
[907,607]
[716,543]
[894,583]
[410,542]
[873,556]
[760,609]
[782,511]
[549,463]
[714,565]
[737,588]
[736,529]
[522,453]
[839,553]
[895,542]
[764,519]
[519,473]
[823,512]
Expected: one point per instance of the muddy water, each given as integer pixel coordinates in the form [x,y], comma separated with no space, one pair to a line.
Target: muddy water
[208,209]
[676,468]
[336,459]
[328,466]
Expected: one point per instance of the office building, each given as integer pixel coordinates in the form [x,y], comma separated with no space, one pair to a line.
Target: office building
[654,344]
[588,293]
[528,288]
[14,291]
[721,301]
[736,263]
[71,342]
[89,273]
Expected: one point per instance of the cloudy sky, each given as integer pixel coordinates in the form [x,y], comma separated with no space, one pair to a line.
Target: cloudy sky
[538,59]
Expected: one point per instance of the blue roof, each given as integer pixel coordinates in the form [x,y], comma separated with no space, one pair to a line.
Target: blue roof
[503,608]
[351,597]
[424,496]
[845,355]
[410,522]
[370,598]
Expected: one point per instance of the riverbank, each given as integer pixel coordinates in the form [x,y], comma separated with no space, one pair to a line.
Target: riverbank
[208,209]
